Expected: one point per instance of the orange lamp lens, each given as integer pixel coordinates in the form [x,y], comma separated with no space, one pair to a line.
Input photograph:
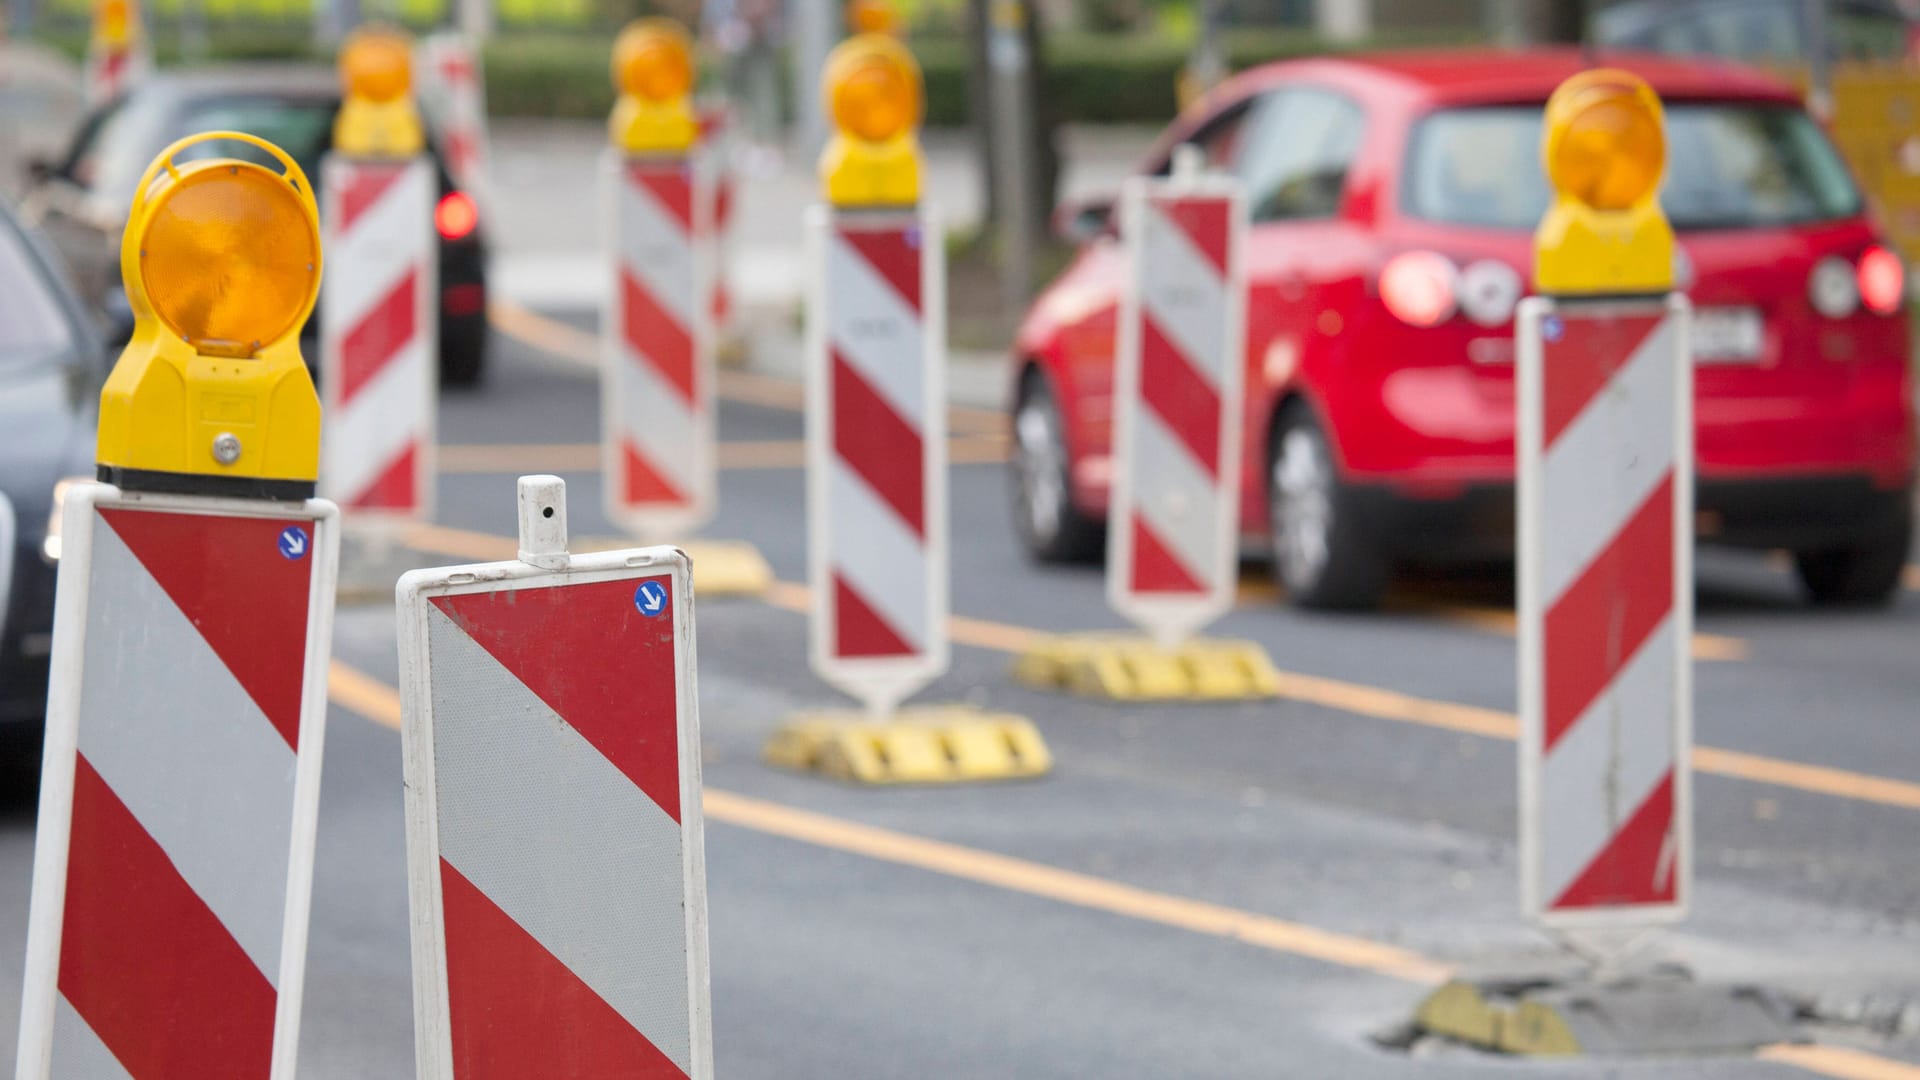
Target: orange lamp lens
[872,17]
[653,60]
[875,100]
[229,260]
[376,65]
[1606,147]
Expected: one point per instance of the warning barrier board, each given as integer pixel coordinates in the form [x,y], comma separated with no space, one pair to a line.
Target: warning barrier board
[1173,536]
[553,812]
[174,858]
[1606,609]
[877,452]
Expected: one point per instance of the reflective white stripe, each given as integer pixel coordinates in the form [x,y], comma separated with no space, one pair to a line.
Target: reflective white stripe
[658,420]
[1174,495]
[387,238]
[182,744]
[1607,763]
[656,250]
[878,554]
[78,1053]
[362,439]
[870,323]
[1607,461]
[1183,292]
[511,776]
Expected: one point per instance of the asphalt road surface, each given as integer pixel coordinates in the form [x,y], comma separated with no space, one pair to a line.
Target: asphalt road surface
[1232,890]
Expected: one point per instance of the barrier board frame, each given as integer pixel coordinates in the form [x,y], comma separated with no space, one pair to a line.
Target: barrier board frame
[1530,322]
[433,1034]
[54,830]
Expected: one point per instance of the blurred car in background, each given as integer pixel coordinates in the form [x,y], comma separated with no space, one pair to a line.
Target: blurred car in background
[52,362]
[1764,32]
[81,203]
[1393,201]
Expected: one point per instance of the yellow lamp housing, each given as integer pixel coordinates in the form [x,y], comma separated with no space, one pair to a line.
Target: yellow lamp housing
[874,93]
[114,25]
[1605,153]
[221,261]
[377,118]
[873,17]
[653,72]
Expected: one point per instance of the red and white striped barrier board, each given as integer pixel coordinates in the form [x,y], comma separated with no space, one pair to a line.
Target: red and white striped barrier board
[877,452]
[1179,372]
[656,382]
[379,354]
[453,84]
[553,811]
[716,125]
[180,787]
[1606,610]
[111,72]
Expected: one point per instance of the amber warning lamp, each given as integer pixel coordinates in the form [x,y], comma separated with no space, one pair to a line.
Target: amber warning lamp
[873,92]
[377,116]
[221,261]
[653,72]
[1605,151]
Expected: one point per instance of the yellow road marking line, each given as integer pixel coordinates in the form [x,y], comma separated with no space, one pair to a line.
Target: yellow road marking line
[380,703]
[1359,699]
[582,348]
[733,454]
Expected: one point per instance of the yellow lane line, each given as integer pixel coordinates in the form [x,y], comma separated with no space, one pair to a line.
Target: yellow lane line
[733,454]
[380,703]
[583,348]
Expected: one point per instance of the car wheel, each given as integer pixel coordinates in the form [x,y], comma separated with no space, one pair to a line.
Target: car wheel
[1050,526]
[463,352]
[1320,554]
[1866,575]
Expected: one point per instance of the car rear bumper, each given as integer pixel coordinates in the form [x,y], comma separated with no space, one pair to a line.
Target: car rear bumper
[1799,513]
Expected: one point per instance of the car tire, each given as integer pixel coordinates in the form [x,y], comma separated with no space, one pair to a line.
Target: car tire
[1050,527]
[463,353]
[1322,557]
[1865,575]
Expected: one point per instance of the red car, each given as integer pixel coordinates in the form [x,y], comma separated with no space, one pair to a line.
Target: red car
[1393,200]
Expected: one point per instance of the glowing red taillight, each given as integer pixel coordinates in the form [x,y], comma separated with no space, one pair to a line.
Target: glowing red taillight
[456,216]
[1420,288]
[1883,281]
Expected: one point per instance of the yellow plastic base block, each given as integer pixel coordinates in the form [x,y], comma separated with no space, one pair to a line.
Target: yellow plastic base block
[945,744]
[727,568]
[1459,1011]
[1132,668]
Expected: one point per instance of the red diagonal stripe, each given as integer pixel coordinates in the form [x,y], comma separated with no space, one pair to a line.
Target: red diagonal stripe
[146,963]
[894,254]
[1155,568]
[1176,391]
[878,445]
[1205,222]
[397,486]
[366,184]
[1628,870]
[1577,368]
[249,602]
[860,630]
[588,652]
[517,1012]
[642,484]
[1609,611]
[657,336]
[380,335]
[670,188]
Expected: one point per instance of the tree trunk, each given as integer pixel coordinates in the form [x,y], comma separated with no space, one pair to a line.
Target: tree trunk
[1559,22]
[1044,154]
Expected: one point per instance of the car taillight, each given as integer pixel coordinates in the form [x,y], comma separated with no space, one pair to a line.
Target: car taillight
[456,215]
[1420,288]
[1489,291]
[1833,288]
[1883,281]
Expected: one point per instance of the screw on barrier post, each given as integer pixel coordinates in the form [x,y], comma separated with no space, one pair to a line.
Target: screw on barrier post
[379,314]
[117,52]
[1605,514]
[658,412]
[186,712]
[877,452]
[554,833]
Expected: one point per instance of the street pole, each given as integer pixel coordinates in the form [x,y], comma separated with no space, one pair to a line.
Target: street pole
[476,20]
[1343,20]
[813,29]
[1007,61]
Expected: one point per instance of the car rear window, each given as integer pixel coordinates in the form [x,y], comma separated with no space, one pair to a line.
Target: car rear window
[1728,167]
[303,127]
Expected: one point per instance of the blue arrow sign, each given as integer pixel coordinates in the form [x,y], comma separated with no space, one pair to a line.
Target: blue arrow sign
[650,598]
[293,542]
